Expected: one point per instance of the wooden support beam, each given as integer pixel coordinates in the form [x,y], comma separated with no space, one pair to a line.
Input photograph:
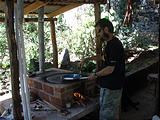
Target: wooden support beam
[26,3]
[82,1]
[55,51]
[62,10]
[22,59]
[2,12]
[98,42]
[34,6]
[32,19]
[36,19]
[14,65]
[2,2]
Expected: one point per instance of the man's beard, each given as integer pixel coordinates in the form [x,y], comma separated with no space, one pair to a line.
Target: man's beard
[105,37]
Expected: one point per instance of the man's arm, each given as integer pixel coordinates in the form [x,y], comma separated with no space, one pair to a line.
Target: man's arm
[106,71]
[97,57]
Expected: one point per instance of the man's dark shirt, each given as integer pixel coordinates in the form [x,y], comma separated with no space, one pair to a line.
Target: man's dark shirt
[113,56]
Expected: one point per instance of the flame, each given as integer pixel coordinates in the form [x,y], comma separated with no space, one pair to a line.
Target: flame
[78,95]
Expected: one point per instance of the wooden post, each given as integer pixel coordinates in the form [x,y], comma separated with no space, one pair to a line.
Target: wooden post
[41,39]
[14,66]
[108,5]
[98,42]
[53,37]
[19,15]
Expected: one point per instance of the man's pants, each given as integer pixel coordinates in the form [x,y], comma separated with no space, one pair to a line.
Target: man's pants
[109,103]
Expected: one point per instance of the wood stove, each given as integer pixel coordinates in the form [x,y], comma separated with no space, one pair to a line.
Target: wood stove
[61,92]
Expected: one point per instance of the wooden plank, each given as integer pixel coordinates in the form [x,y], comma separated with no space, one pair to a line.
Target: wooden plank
[98,42]
[32,19]
[142,67]
[54,44]
[34,6]
[62,111]
[76,112]
[82,1]
[2,2]
[36,19]
[14,66]
[62,10]
[2,12]
[26,3]
[69,1]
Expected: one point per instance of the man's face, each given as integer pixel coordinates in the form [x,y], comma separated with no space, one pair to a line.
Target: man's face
[102,34]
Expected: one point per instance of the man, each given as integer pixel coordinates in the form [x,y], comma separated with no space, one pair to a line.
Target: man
[111,76]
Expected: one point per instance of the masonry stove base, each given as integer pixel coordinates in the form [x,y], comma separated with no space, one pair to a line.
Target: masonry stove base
[59,93]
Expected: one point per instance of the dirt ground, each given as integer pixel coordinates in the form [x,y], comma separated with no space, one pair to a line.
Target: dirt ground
[147,106]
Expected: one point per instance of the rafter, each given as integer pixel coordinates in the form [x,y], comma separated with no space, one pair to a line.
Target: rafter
[2,2]
[49,5]
[62,10]
[31,19]
[37,4]
[81,1]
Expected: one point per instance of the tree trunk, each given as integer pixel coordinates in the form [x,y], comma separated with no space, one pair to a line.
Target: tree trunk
[14,66]
[128,13]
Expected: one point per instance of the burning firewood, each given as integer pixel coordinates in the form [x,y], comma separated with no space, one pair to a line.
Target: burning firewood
[83,103]
[78,103]
[80,99]
[79,96]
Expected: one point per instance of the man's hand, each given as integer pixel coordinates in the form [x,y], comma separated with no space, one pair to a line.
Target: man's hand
[97,57]
[81,64]
[92,77]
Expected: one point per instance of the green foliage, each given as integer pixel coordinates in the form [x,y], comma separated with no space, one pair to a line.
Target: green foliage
[85,38]
[63,34]
[78,37]
[89,67]
[31,42]
[4,53]
[131,38]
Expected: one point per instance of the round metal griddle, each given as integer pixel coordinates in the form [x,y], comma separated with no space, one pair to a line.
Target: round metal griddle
[65,78]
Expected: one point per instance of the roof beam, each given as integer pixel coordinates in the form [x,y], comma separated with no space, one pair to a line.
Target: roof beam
[26,3]
[37,4]
[82,1]
[31,19]
[2,2]
[62,10]
[36,19]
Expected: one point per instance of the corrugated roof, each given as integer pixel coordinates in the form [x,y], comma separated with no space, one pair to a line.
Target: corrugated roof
[52,8]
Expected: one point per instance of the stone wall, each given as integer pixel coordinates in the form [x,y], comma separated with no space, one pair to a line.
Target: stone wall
[145,19]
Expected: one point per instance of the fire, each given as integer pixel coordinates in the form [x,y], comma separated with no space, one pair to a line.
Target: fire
[78,95]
